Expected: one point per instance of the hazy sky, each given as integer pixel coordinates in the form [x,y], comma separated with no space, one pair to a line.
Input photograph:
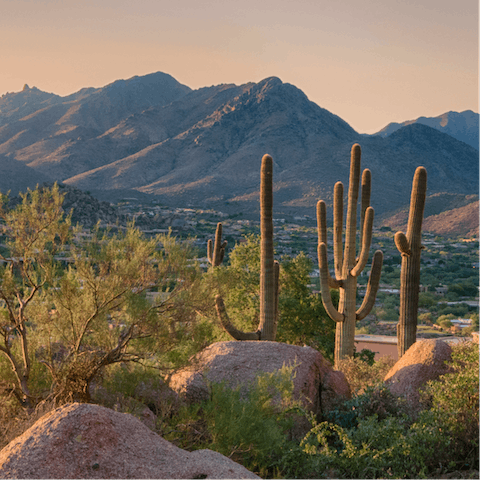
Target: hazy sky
[369,61]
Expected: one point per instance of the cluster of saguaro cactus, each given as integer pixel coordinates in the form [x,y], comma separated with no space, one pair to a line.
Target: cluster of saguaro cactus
[410,246]
[269,273]
[347,266]
[216,253]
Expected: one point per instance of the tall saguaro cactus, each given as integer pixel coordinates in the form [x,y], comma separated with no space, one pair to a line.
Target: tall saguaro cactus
[347,266]
[410,246]
[216,253]
[269,272]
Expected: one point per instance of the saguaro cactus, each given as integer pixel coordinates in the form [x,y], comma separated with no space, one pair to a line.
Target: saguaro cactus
[269,272]
[216,253]
[410,246]
[347,265]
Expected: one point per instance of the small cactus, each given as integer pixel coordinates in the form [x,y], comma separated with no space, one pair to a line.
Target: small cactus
[269,273]
[347,265]
[410,246]
[216,253]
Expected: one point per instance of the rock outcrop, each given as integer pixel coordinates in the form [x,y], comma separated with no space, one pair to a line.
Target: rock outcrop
[89,441]
[316,384]
[423,361]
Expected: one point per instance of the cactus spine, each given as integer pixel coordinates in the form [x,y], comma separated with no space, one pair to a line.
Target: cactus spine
[216,253]
[410,246]
[269,273]
[347,265]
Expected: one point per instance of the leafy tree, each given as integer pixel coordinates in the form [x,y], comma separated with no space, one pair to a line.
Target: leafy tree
[69,324]
[34,233]
[99,314]
[425,318]
[463,289]
[302,318]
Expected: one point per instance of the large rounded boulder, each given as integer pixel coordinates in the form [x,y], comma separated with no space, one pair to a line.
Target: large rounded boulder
[425,360]
[90,441]
[316,384]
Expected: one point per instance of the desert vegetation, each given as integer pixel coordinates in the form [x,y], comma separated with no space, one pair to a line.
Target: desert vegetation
[103,315]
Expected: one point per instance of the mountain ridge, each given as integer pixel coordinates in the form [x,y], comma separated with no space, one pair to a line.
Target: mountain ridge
[463,126]
[203,147]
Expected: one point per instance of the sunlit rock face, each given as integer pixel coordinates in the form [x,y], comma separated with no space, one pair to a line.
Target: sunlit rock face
[89,441]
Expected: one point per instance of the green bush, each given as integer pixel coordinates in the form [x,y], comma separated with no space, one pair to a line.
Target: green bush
[372,435]
[454,400]
[253,425]
[388,448]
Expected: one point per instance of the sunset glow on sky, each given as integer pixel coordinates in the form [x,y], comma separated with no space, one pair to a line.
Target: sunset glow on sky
[371,62]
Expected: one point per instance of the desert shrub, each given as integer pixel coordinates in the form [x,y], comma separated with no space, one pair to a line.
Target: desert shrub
[130,388]
[250,425]
[454,400]
[388,448]
[372,435]
[361,375]
[366,355]
[378,401]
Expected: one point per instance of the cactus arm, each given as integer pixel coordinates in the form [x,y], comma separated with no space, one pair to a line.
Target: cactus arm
[210,250]
[417,207]
[402,244]
[366,192]
[372,287]
[351,225]
[216,253]
[276,266]
[322,222]
[332,312]
[222,251]
[338,228]
[322,238]
[227,325]
[366,242]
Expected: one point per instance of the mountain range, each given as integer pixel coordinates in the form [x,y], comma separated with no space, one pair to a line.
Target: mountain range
[153,137]
[462,126]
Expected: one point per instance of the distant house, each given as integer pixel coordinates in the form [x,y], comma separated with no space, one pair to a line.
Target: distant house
[462,322]
[442,290]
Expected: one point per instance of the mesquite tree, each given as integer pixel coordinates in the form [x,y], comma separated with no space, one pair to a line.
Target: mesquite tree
[269,269]
[347,265]
[410,246]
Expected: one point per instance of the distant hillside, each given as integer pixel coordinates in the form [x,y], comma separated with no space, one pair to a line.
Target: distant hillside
[16,177]
[463,126]
[459,221]
[445,214]
[153,136]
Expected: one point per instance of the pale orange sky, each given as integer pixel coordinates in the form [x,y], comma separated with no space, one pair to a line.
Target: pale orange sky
[371,62]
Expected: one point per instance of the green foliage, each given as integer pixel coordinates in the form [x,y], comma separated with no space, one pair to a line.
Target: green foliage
[454,400]
[372,435]
[240,283]
[365,355]
[250,425]
[302,317]
[388,448]
[61,326]
[35,233]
